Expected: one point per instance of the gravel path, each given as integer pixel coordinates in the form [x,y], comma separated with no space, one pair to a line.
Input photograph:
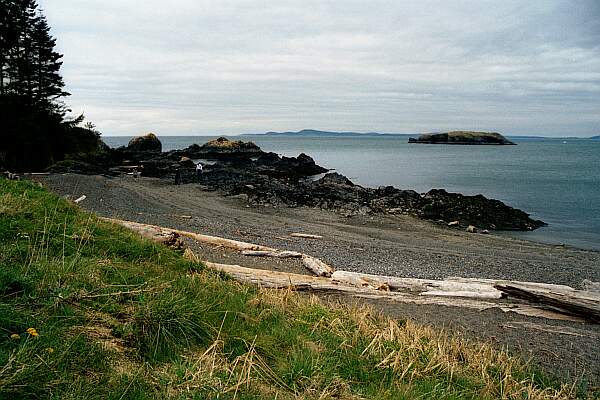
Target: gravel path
[386,245]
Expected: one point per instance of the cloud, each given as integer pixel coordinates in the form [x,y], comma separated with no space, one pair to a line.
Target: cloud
[205,67]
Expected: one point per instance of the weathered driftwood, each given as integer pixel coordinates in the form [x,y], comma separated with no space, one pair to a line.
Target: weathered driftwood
[10,176]
[306,236]
[80,199]
[284,280]
[591,286]
[421,287]
[155,233]
[574,302]
[540,285]
[316,266]
[562,330]
[277,253]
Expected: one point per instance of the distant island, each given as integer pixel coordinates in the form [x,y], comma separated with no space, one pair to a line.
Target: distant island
[595,137]
[317,133]
[462,137]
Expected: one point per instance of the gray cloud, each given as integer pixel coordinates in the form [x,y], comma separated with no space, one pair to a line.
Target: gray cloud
[205,67]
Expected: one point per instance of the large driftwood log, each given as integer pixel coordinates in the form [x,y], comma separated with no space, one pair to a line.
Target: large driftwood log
[160,235]
[284,280]
[316,266]
[574,302]
[421,287]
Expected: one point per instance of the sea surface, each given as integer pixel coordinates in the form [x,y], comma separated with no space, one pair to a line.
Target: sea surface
[555,180]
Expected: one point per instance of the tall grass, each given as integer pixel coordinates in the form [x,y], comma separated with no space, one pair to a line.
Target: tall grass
[90,310]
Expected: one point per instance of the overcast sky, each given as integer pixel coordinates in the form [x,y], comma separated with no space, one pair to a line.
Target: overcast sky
[184,67]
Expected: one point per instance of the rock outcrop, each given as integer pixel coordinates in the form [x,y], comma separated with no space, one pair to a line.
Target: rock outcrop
[148,142]
[244,170]
[222,148]
[462,137]
[337,193]
[477,210]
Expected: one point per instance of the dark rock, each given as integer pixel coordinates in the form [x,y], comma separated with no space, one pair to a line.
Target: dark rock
[333,178]
[78,167]
[475,210]
[462,137]
[186,162]
[223,148]
[149,143]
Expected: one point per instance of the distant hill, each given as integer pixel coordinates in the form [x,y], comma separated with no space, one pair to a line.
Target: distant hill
[522,137]
[317,133]
[462,137]
[595,137]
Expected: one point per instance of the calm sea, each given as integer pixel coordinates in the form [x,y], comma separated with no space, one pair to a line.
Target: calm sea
[556,182]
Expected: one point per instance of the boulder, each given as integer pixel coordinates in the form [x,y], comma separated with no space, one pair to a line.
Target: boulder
[471,229]
[148,143]
[186,162]
[225,148]
[333,178]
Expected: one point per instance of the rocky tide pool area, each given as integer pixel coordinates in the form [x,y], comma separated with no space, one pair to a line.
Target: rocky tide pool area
[242,169]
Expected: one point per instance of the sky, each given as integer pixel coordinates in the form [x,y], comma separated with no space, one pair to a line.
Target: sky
[196,67]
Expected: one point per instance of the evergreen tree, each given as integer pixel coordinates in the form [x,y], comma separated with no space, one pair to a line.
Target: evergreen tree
[33,133]
[47,84]
[30,64]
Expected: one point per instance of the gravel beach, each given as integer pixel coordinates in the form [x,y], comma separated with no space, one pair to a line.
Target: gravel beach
[385,245]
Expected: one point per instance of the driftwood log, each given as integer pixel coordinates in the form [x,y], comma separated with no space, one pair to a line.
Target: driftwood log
[423,287]
[526,298]
[158,233]
[306,236]
[318,267]
[573,302]
[276,254]
[80,199]
[284,280]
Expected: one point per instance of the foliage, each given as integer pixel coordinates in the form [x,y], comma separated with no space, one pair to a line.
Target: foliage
[32,133]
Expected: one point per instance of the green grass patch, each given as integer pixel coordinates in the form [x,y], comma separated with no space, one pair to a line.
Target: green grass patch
[89,310]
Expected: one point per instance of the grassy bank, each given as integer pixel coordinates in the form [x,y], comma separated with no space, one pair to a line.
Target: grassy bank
[90,310]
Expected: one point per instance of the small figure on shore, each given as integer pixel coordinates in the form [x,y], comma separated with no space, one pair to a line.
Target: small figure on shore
[136,174]
[198,170]
[177,176]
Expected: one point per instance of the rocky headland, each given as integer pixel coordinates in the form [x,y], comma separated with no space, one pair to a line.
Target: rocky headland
[462,137]
[242,169]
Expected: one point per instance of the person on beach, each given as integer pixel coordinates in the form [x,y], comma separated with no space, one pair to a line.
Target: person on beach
[198,170]
[177,176]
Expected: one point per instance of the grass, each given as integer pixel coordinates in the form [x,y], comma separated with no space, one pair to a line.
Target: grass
[90,310]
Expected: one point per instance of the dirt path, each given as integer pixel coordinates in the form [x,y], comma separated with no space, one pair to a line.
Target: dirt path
[398,245]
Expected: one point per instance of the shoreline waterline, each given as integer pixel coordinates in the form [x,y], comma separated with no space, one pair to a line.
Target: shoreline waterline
[552,181]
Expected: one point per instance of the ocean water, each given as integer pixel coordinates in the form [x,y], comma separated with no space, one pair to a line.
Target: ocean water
[556,182]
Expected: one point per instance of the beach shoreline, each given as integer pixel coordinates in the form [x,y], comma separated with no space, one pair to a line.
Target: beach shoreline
[399,245]
[379,244]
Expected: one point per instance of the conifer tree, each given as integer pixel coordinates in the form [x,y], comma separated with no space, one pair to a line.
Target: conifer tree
[30,64]
[33,134]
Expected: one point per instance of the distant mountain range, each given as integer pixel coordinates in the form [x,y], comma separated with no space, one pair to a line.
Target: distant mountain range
[317,133]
